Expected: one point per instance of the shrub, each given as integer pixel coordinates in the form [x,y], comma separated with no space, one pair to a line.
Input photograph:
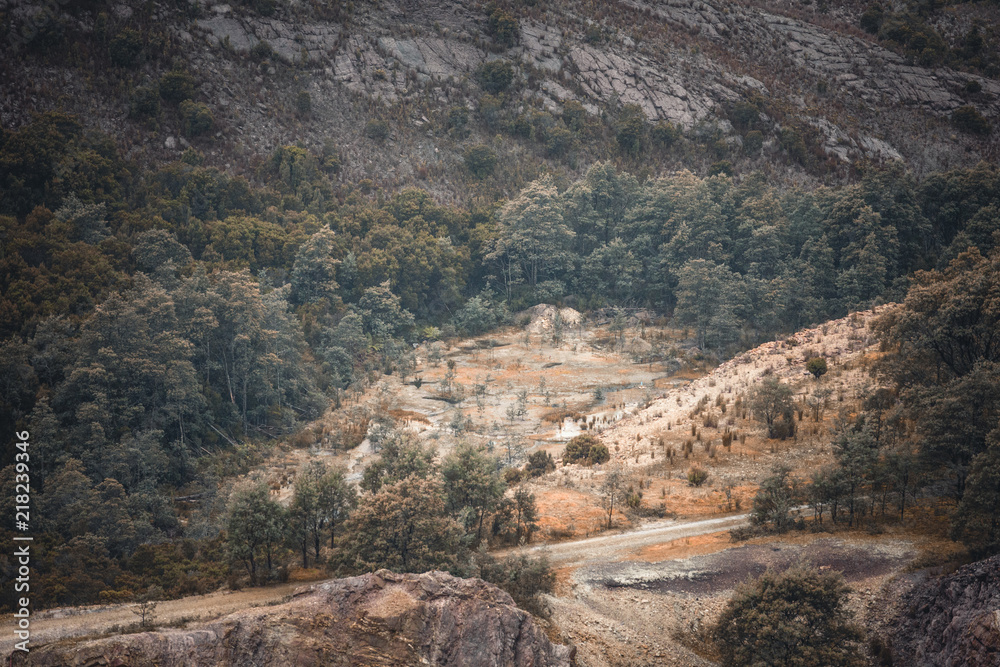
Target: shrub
[631,129]
[697,476]
[817,366]
[458,116]
[261,51]
[196,118]
[177,86]
[377,129]
[490,109]
[125,48]
[969,120]
[303,103]
[753,142]
[574,115]
[558,140]
[586,450]
[522,577]
[721,167]
[664,134]
[144,102]
[744,115]
[801,608]
[503,27]
[495,76]
[872,18]
[539,463]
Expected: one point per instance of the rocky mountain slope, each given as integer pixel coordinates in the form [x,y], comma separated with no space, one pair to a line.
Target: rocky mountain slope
[409,64]
[375,619]
[950,621]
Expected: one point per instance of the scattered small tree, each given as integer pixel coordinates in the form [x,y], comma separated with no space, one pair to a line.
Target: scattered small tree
[817,366]
[771,402]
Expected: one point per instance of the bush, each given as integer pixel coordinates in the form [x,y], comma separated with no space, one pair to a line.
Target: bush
[697,476]
[303,103]
[664,134]
[969,120]
[458,117]
[631,129]
[261,51]
[795,618]
[817,366]
[558,140]
[177,86]
[495,76]
[586,450]
[196,118]
[872,18]
[480,160]
[539,463]
[721,167]
[125,48]
[503,27]
[377,129]
[144,102]
[522,577]
[753,142]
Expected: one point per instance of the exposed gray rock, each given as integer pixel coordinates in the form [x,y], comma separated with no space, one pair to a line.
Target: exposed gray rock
[952,621]
[375,619]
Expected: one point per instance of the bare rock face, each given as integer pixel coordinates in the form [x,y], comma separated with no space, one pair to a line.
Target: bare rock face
[375,619]
[953,621]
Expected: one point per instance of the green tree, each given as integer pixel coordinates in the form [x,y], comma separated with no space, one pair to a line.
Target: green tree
[337,498]
[404,527]
[816,366]
[707,297]
[473,486]
[532,235]
[400,457]
[615,490]
[977,522]
[314,274]
[255,527]
[382,314]
[773,502]
[771,403]
[796,618]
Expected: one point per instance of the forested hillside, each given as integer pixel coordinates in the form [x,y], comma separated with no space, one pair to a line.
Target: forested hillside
[162,326]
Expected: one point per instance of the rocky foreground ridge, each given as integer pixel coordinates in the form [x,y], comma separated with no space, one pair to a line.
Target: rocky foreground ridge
[952,621]
[375,619]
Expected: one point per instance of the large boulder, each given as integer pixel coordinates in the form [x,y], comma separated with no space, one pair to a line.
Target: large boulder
[375,619]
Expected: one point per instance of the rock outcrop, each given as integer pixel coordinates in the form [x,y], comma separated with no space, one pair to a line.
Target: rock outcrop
[952,621]
[375,619]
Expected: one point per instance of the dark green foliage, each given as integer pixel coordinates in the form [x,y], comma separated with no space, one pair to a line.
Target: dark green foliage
[753,141]
[254,530]
[697,476]
[261,51]
[977,522]
[126,48]
[303,104]
[495,76]
[539,463]
[817,366]
[796,619]
[377,129]
[404,527]
[664,134]
[773,502]
[196,118]
[771,403]
[523,577]
[176,86]
[585,449]
[480,160]
[630,130]
[968,119]
[503,27]
[145,102]
[724,167]
[871,19]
